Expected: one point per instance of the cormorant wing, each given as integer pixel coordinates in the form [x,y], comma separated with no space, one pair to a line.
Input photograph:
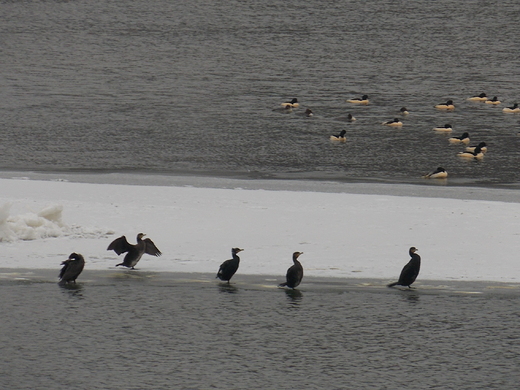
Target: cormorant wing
[65,264]
[119,245]
[150,248]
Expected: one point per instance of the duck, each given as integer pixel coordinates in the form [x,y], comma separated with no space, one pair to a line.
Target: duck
[348,118]
[308,113]
[475,154]
[403,111]
[285,109]
[480,98]
[446,106]
[445,129]
[229,267]
[361,100]
[410,270]
[72,268]
[439,173]
[294,274]
[340,137]
[513,109]
[493,101]
[463,139]
[481,145]
[293,103]
[394,122]
[135,251]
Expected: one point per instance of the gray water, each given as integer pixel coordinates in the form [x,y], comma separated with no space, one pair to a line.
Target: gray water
[189,87]
[139,330]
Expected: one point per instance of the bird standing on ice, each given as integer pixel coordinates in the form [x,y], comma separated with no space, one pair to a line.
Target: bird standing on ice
[135,252]
[229,267]
[72,267]
[294,274]
[410,270]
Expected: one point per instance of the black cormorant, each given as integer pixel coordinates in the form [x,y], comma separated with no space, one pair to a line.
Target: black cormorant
[135,252]
[72,267]
[410,270]
[229,267]
[294,273]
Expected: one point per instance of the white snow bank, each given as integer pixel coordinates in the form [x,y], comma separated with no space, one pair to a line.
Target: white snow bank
[341,234]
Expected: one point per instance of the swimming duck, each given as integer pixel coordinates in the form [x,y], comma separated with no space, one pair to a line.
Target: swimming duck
[72,267]
[229,267]
[403,111]
[135,252]
[446,106]
[476,154]
[480,98]
[294,274]
[463,139]
[481,145]
[340,137]
[494,101]
[513,109]
[308,113]
[446,128]
[285,109]
[439,173]
[394,122]
[362,100]
[293,103]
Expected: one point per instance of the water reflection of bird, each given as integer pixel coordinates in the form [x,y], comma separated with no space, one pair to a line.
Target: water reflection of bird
[72,267]
[410,270]
[135,252]
[229,267]
[294,274]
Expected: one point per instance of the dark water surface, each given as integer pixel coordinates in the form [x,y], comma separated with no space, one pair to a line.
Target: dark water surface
[189,87]
[139,330]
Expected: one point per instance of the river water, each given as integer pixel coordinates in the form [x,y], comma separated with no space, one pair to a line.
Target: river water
[189,88]
[140,330]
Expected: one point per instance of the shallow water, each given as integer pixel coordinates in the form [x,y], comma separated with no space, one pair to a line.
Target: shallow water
[141,330]
[159,86]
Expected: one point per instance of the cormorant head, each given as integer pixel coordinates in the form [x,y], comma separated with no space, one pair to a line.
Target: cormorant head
[140,236]
[236,250]
[413,250]
[75,256]
[296,255]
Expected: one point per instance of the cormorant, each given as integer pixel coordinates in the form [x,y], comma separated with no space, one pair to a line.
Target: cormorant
[229,267]
[410,270]
[135,252]
[294,273]
[72,267]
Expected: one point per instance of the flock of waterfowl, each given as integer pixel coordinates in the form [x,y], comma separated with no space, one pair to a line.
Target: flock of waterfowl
[74,265]
[470,152]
